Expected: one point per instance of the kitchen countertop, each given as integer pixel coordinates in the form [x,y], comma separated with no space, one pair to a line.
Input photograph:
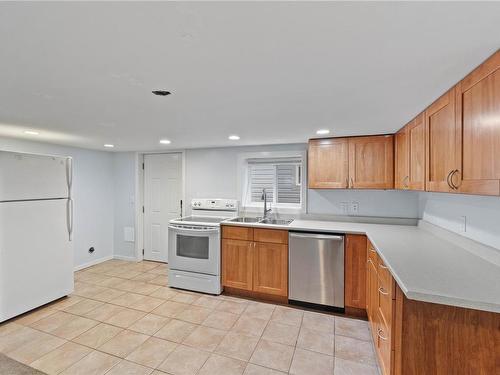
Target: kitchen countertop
[427,267]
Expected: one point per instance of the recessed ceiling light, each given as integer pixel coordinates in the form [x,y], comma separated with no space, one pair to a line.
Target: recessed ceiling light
[165,141]
[323,132]
[108,145]
[234,137]
[161,92]
[31,132]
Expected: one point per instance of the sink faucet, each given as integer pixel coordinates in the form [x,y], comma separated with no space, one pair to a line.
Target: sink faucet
[264,198]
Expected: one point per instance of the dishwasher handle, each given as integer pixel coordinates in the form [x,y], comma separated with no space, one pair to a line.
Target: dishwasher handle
[317,236]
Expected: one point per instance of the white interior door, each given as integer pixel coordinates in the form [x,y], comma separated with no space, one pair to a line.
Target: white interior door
[162,201]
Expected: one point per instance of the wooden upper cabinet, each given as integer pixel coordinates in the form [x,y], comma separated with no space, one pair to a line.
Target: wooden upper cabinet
[371,162]
[442,146]
[401,159]
[416,153]
[355,271]
[478,119]
[328,163]
[237,264]
[271,269]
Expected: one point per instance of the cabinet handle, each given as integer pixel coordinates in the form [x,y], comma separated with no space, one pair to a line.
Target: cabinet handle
[379,334]
[372,250]
[451,179]
[382,266]
[448,180]
[347,183]
[405,182]
[352,183]
[382,291]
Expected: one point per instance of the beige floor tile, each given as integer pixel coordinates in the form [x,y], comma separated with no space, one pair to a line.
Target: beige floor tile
[16,339]
[176,330]
[125,318]
[127,299]
[97,336]
[250,326]
[158,372]
[162,269]
[237,345]
[205,338]
[354,328]
[96,363]
[273,355]
[145,288]
[83,307]
[319,322]
[345,367]
[111,282]
[147,304]
[74,328]
[282,333]
[61,358]
[221,320]
[184,361]
[145,277]
[152,352]
[220,365]
[124,343]
[161,280]
[259,310]
[150,324]
[193,314]
[287,315]
[108,295]
[129,368]
[354,350]
[259,370]
[185,298]
[53,321]
[65,302]
[87,290]
[208,302]
[8,328]
[170,309]
[316,341]
[104,312]
[35,315]
[34,349]
[164,293]
[311,363]
[232,306]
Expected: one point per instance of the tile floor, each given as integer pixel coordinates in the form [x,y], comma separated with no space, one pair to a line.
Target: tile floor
[124,319]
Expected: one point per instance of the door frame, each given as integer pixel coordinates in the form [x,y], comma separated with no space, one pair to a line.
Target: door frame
[139,196]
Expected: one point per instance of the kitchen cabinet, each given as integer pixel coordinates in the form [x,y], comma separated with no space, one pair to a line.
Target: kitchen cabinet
[255,261]
[355,271]
[409,155]
[371,162]
[328,163]
[356,162]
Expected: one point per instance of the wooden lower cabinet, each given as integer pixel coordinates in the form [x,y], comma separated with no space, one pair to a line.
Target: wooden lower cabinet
[413,337]
[257,262]
[355,271]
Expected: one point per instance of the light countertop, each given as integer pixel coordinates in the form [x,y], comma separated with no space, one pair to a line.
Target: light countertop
[427,267]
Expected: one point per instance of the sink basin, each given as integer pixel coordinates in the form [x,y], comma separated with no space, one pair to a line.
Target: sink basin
[276,221]
[245,219]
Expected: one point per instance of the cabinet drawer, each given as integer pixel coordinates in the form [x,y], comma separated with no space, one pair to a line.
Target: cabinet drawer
[385,305]
[386,278]
[270,235]
[384,348]
[237,233]
[372,255]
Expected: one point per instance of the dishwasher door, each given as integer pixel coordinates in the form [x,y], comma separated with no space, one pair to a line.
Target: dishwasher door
[316,268]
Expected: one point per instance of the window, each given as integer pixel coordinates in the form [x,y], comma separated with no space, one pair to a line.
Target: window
[281,177]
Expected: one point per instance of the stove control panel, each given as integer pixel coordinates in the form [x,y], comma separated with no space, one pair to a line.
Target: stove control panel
[215,204]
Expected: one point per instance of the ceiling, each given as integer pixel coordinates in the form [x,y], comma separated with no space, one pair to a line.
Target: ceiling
[81,74]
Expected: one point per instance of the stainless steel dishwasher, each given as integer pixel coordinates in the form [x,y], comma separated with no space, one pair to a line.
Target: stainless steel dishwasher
[316,269]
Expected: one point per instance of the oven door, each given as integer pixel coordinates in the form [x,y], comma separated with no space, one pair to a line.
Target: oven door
[194,248]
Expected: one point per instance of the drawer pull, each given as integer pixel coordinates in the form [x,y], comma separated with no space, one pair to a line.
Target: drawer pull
[382,266]
[372,250]
[379,334]
[382,291]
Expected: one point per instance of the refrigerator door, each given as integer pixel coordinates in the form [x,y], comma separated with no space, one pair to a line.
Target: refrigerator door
[30,176]
[36,255]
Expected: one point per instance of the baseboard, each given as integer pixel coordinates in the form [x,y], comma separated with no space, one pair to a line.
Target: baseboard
[123,257]
[93,263]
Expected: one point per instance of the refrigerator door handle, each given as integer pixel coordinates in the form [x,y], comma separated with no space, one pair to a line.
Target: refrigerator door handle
[69,174]
[69,218]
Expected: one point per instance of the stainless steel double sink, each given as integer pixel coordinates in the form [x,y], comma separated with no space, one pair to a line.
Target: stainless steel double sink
[260,220]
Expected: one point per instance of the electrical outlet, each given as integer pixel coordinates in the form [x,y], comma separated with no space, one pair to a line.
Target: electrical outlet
[463,224]
[354,207]
[344,208]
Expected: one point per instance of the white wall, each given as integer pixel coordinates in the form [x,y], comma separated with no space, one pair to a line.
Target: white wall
[482,215]
[93,196]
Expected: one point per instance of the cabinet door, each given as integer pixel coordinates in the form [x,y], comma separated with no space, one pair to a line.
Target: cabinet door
[328,163]
[271,268]
[478,117]
[371,162]
[355,271]
[237,264]
[441,139]
[372,298]
[416,153]
[401,154]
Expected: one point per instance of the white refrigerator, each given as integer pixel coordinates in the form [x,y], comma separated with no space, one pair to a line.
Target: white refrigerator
[36,226]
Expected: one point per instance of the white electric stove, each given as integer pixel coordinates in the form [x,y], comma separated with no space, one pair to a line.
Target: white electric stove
[194,245]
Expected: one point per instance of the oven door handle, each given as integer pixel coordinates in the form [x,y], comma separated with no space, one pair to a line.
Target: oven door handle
[192,230]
